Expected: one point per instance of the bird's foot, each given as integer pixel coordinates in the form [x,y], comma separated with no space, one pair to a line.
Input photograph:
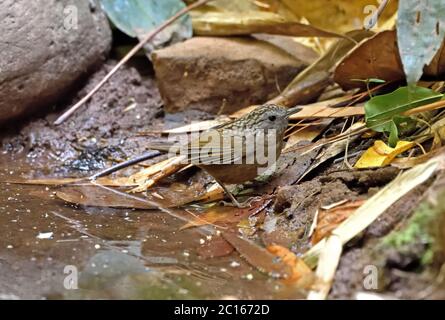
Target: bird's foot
[240,205]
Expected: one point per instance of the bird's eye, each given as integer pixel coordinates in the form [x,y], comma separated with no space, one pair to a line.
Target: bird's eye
[272,118]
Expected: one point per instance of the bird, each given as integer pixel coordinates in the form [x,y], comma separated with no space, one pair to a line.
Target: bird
[234,152]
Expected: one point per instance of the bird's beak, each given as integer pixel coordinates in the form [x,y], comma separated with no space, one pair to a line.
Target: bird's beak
[293,110]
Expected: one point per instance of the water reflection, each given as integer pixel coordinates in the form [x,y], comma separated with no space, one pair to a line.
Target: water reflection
[119,253]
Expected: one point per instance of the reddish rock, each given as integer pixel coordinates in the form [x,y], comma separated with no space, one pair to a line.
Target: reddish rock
[214,74]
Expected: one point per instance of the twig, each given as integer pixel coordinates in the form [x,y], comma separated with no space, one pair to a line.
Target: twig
[345,159]
[125,164]
[127,57]
[428,107]
[377,15]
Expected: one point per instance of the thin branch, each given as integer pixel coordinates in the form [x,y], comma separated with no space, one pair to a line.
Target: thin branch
[377,14]
[127,57]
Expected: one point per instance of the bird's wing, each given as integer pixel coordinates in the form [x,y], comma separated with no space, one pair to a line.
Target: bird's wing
[163,146]
[206,149]
[216,150]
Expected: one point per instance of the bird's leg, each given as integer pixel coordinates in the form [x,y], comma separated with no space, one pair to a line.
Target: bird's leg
[231,196]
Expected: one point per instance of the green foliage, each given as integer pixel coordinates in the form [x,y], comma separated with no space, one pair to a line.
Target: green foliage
[136,18]
[384,113]
[417,230]
[420,32]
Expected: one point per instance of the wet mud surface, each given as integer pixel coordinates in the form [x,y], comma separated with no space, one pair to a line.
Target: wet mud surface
[116,253]
[144,254]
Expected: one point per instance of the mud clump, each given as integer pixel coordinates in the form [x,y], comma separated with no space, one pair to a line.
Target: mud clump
[123,107]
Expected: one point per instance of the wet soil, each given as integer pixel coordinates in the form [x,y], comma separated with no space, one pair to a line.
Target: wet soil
[106,129]
[115,253]
[143,254]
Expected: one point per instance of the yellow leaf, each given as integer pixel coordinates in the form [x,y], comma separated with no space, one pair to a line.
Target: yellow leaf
[381,154]
[287,17]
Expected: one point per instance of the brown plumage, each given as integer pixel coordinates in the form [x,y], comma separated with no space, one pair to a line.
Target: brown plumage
[226,152]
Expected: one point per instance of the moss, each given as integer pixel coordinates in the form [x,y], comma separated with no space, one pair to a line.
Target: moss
[418,230]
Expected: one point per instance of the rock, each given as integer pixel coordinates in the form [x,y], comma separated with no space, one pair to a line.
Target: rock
[214,74]
[46,46]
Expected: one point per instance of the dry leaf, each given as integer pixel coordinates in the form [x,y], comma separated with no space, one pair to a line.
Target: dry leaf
[333,149]
[378,57]
[308,85]
[409,162]
[320,111]
[340,15]
[327,266]
[214,248]
[96,196]
[147,177]
[225,215]
[329,219]
[242,17]
[377,204]
[304,18]
[301,273]
[259,257]
[195,126]
[308,133]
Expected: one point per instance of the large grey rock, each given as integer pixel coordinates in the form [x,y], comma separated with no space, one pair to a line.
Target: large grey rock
[45,46]
[211,74]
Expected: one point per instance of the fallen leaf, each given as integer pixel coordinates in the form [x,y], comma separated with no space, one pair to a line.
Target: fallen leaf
[194,126]
[380,154]
[329,219]
[137,18]
[308,133]
[377,204]
[374,57]
[327,267]
[378,57]
[259,257]
[300,271]
[333,149]
[308,84]
[420,33]
[95,196]
[148,177]
[340,15]
[327,112]
[214,248]
[226,17]
[409,162]
[225,215]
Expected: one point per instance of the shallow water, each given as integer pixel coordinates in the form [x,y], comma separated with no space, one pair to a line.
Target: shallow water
[51,249]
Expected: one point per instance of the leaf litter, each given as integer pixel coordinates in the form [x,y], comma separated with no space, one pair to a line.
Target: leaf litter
[315,196]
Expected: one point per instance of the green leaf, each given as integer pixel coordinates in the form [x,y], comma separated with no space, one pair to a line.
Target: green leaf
[393,134]
[420,33]
[383,113]
[136,18]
